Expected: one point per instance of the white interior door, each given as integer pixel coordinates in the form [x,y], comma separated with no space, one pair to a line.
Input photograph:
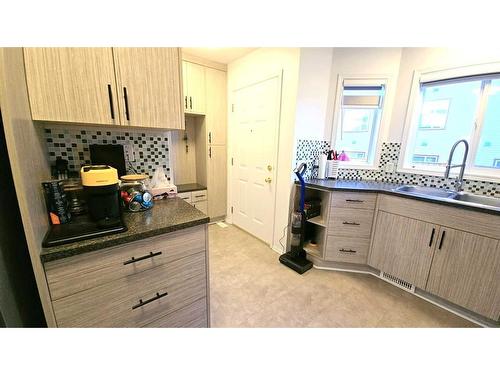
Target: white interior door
[255,129]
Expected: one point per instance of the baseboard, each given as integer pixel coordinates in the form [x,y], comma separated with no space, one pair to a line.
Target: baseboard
[421,294]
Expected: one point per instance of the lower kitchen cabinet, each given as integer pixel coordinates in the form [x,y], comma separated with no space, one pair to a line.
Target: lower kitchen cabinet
[156,282]
[466,271]
[403,247]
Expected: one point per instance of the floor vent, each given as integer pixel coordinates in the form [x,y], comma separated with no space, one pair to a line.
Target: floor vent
[397,281]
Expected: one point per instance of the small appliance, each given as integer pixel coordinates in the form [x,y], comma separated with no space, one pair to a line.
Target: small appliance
[296,258]
[112,155]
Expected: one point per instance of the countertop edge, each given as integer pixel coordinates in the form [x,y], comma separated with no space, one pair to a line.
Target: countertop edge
[49,257]
[381,190]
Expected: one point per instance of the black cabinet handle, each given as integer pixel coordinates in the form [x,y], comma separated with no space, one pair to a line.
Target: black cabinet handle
[185,102]
[125,97]
[354,200]
[432,236]
[133,259]
[210,152]
[199,196]
[110,94]
[347,251]
[142,303]
[442,239]
[191,102]
[209,137]
[350,223]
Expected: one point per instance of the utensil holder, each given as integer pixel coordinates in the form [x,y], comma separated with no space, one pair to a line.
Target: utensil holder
[332,169]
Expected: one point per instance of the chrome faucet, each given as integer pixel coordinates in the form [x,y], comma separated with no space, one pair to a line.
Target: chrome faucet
[459,181]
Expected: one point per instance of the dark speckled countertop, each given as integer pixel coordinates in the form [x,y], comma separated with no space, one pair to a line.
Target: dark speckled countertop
[184,188]
[387,188]
[167,215]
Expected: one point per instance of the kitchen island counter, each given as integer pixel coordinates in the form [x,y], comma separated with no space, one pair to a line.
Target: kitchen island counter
[168,215]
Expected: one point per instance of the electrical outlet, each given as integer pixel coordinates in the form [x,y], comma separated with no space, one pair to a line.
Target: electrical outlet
[130,152]
[389,167]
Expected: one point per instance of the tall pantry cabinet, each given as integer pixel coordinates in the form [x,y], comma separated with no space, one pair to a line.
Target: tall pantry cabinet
[206,125]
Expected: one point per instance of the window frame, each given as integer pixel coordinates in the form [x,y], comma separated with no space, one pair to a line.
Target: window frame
[411,120]
[385,115]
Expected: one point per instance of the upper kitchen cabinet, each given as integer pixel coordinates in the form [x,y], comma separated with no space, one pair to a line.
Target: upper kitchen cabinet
[216,106]
[115,86]
[149,85]
[72,85]
[194,87]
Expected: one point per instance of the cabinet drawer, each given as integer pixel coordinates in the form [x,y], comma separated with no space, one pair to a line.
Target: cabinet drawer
[185,196]
[191,316]
[350,222]
[200,195]
[112,304]
[353,200]
[80,272]
[346,249]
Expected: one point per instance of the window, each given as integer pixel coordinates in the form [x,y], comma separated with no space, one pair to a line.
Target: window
[358,117]
[448,110]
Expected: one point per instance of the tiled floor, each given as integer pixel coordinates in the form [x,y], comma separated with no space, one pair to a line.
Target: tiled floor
[250,288]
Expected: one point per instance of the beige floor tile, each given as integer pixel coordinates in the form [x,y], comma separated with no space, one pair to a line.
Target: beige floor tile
[250,288]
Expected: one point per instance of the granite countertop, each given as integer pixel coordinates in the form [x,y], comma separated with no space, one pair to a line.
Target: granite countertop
[388,188]
[185,188]
[167,215]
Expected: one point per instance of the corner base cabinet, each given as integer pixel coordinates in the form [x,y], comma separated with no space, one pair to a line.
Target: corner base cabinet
[160,281]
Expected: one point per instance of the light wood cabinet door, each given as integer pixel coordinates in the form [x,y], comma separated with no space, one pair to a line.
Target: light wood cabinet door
[149,83]
[195,87]
[216,106]
[72,85]
[466,271]
[403,247]
[217,181]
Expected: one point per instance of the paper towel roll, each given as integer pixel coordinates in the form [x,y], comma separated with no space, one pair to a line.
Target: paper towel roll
[322,166]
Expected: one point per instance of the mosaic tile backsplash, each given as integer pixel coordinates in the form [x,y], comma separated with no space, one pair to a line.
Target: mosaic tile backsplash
[309,151]
[72,144]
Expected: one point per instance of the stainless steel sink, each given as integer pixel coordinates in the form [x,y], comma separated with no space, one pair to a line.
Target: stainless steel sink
[477,199]
[426,191]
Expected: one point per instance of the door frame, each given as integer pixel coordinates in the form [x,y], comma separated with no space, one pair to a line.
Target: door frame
[230,138]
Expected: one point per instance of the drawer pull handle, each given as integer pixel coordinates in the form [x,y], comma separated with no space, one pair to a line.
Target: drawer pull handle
[142,303]
[199,196]
[350,223]
[354,200]
[347,250]
[134,259]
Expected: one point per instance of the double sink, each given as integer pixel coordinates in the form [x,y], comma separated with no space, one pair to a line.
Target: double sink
[462,197]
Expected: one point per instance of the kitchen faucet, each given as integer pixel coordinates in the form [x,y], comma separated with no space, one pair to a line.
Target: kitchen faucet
[459,181]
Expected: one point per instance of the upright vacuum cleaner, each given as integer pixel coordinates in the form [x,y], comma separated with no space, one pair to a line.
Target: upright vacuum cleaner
[296,258]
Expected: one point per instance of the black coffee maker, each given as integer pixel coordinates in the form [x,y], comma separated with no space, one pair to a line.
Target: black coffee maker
[100,184]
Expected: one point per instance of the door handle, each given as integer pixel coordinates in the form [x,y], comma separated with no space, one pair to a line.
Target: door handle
[432,236]
[268,180]
[110,94]
[142,303]
[190,102]
[125,98]
[442,239]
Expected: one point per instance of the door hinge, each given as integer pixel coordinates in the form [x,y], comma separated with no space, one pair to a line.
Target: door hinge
[231,209]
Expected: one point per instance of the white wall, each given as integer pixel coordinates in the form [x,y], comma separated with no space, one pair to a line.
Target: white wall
[313,93]
[430,58]
[259,64]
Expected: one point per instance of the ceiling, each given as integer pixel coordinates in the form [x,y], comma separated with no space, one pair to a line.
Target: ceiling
[220,55]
